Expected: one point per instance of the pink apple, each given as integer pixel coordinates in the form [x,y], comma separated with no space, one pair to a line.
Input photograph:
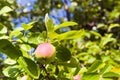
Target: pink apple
[45,50]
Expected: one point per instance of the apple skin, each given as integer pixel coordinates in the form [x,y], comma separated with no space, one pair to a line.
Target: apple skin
[45,52]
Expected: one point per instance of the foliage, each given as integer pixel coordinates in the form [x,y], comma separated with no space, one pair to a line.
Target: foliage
[89,46]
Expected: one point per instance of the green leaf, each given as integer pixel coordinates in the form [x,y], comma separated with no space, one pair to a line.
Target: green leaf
[95,66]
[27,26]
[63,53]
[12,71]
[71,34]
[35,38]
[91,76]
[10,1]
[83,70]
[94,49]
[65,24]
[25,48]
[49,24]
[100,25]
[107,68]
[111,74]
[106,39]
[3,29]
[73,62]
[9,61]
[95,33]
[7,48]
[5,9]
[29,66]
[113,25]
[107,78]
[56,70]
[53,35]
[16,33]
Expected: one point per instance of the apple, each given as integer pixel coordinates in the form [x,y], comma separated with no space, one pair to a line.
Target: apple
[45,51]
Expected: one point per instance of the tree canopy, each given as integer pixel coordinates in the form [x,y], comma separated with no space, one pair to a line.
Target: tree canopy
[85,34]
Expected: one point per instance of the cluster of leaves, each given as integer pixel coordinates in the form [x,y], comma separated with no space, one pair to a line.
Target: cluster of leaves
[91,52]
[76,50]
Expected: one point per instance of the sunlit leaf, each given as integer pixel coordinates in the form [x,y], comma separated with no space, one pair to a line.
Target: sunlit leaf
[82,70]
[115,69]
[11,1]
[27,26]
[113,25]
[25,48]
[53,35]
[71,35]
[12,71]
[5,9]
[107,68]
[3,29]
[107,79]
[65,24]
[91,76]
[95,33]
[94,49]
[108,38]
[16,34]
[111,74]
[35,38]
[9,61]
[49,24]
[101,25]
[96,66]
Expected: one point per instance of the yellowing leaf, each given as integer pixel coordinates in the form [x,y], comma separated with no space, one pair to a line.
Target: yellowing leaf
[53,35]
[115,69]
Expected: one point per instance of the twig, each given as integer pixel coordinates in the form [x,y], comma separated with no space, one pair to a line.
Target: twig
[47,74]
[68,13]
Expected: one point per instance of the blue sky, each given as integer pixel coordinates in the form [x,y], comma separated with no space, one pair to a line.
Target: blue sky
[55,14]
